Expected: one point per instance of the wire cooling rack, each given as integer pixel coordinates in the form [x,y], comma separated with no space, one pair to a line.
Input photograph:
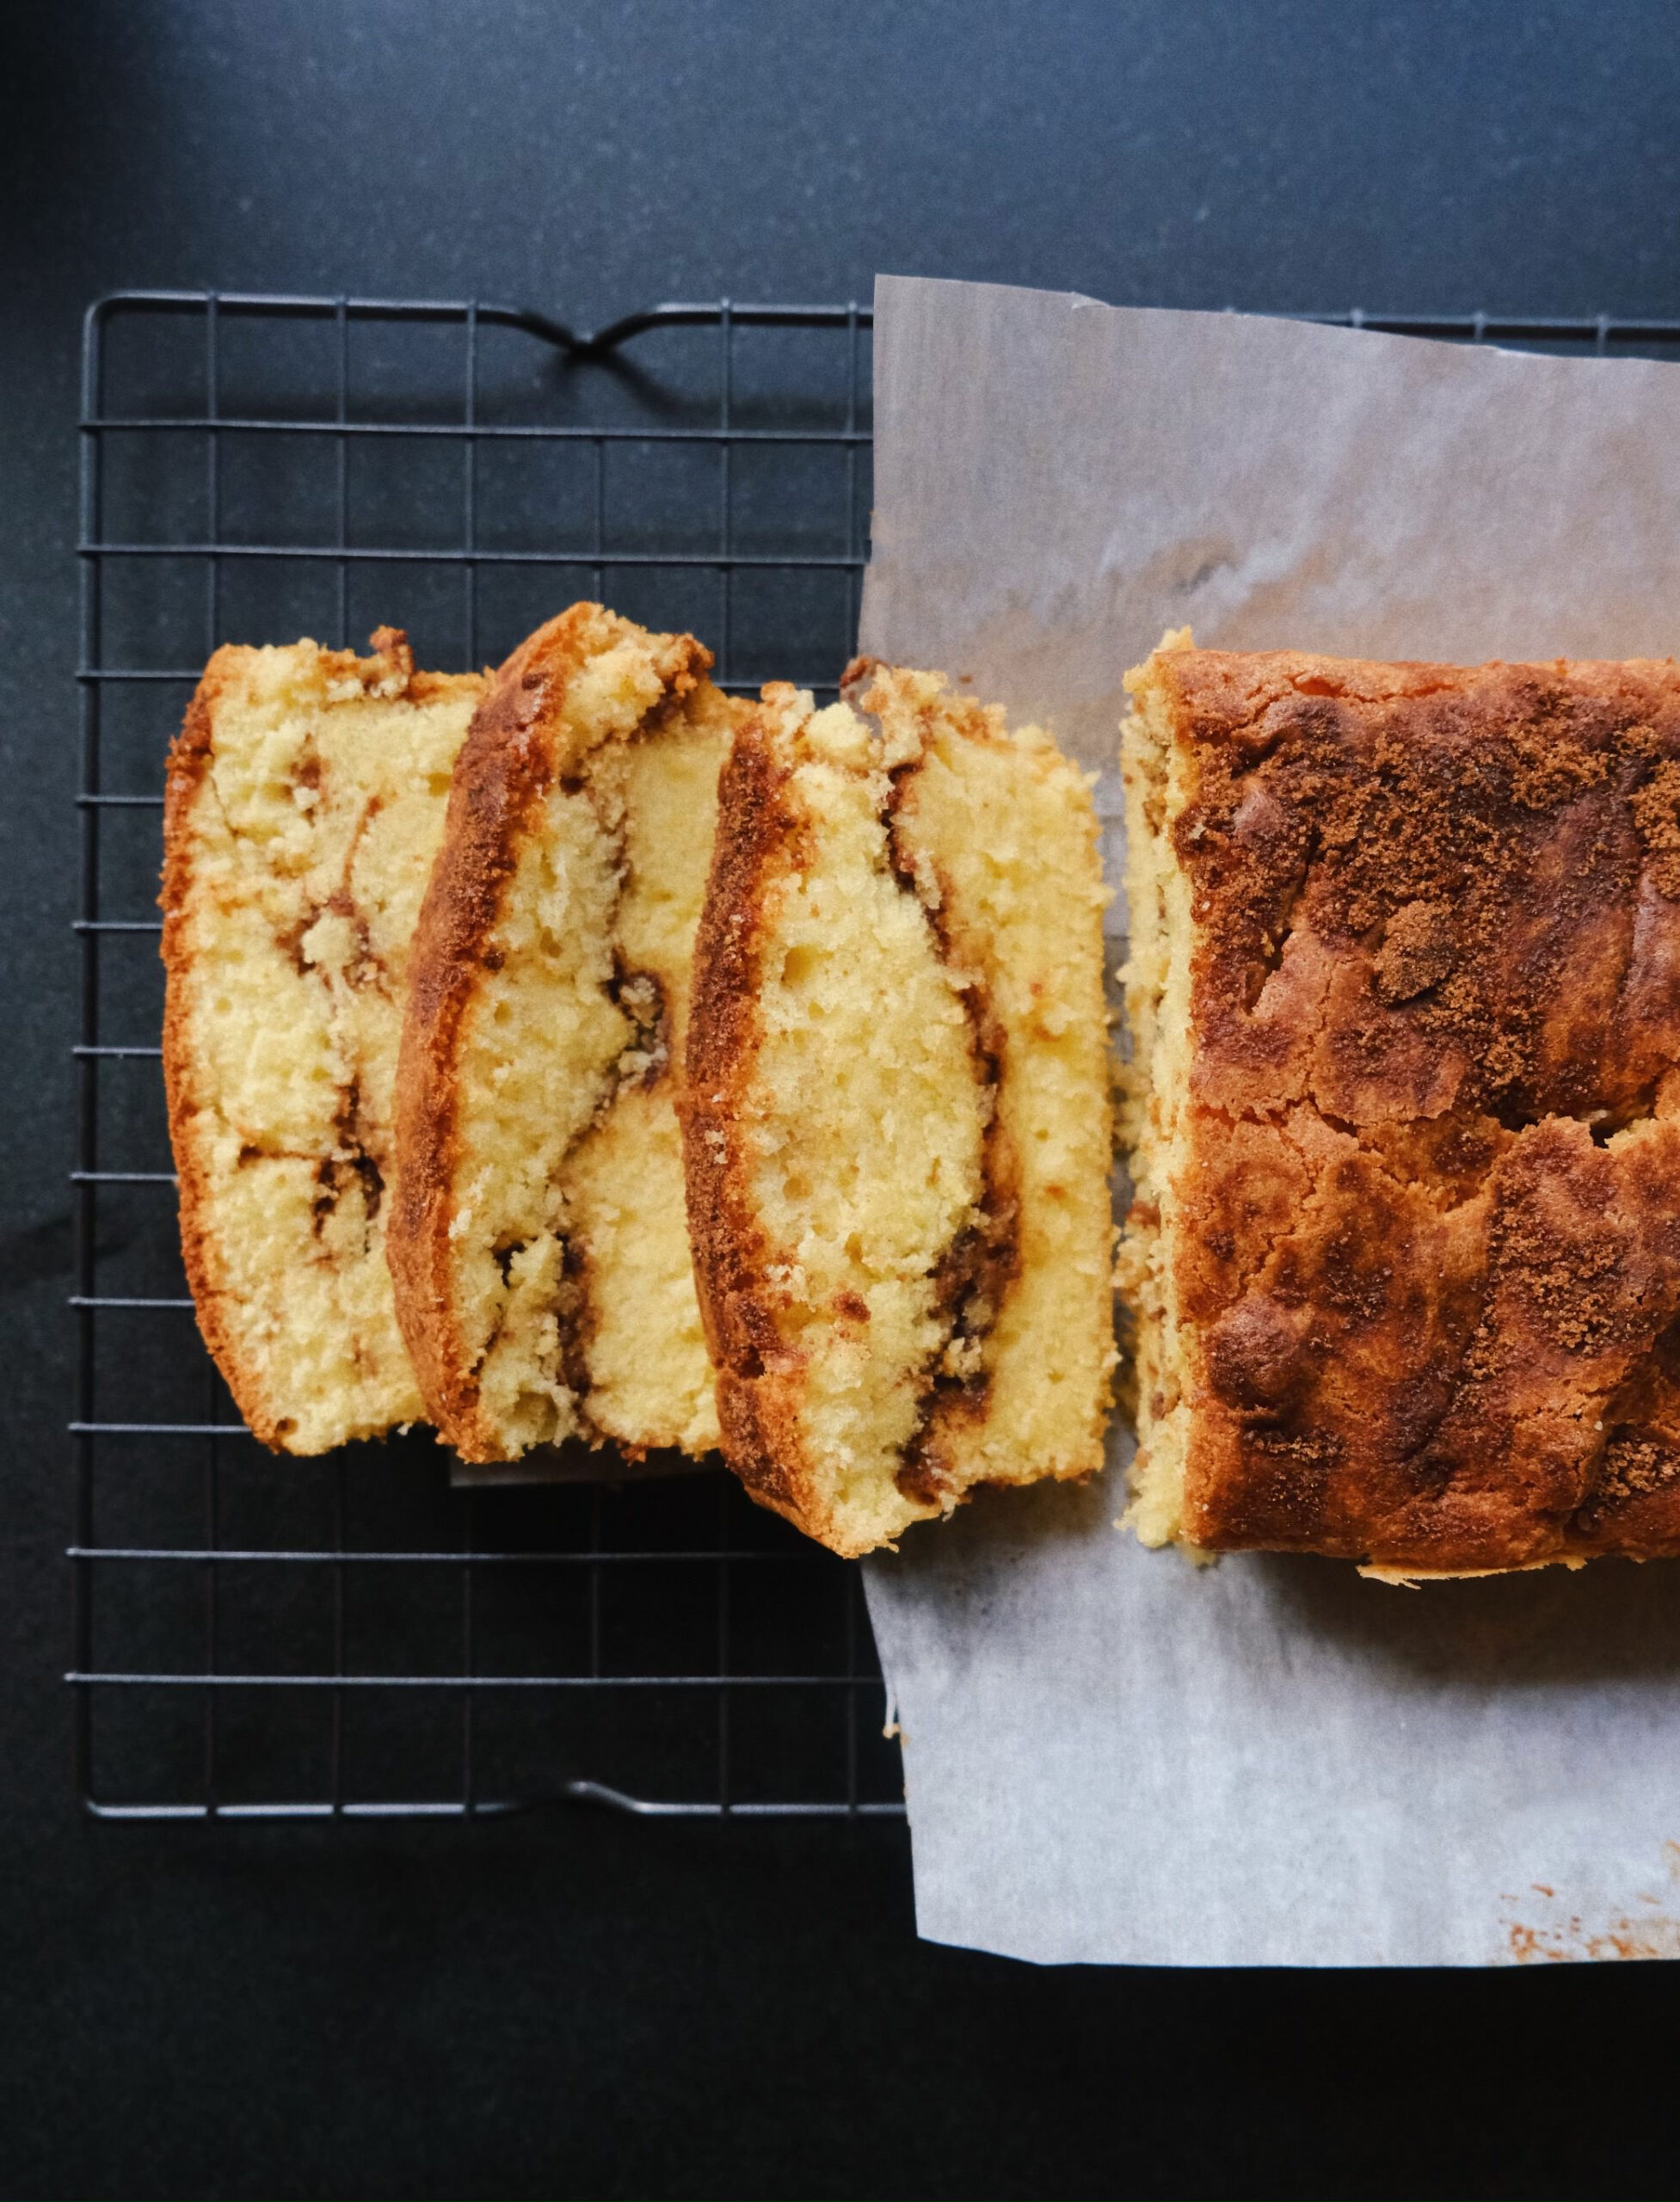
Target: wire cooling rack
[260,1637]
[352,1636]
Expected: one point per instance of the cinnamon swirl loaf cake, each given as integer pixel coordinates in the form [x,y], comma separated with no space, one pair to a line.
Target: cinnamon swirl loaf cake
[896,1123]
[537,1240]
[305,798]
[1405,988]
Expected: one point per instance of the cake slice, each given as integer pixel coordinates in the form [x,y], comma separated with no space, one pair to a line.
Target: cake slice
[538,1241]
[896,1126]
[1405,993]
[305,798]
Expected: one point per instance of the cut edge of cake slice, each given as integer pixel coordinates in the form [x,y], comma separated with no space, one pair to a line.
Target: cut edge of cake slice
[896,1126]
[1000,835]
[304,797]
[538,1242]
[1158,775]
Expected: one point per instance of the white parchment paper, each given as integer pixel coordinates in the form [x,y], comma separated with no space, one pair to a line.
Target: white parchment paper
[1111,1755]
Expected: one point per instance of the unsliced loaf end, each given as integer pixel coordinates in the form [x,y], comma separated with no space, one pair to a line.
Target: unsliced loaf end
[1404,987]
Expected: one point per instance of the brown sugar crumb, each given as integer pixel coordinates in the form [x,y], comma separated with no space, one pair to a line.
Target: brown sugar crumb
[1404,990]
[1418,951]
[1634,1468]
[1657,814]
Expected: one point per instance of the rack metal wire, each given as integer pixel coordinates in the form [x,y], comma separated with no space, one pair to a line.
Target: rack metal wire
[354,1636]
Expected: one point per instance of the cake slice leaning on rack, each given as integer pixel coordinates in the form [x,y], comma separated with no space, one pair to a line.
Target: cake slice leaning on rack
[304,800]
[896,1124]
[539,1245]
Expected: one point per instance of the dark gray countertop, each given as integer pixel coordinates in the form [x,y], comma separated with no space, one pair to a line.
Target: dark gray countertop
[570,2004]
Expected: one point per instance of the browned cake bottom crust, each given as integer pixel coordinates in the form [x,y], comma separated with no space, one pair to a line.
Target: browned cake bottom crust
[1427,1253]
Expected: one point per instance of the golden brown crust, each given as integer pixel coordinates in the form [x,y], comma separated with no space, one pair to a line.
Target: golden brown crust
[515,751]
[390,671]
[502,770]
[1469,854]
[189,760]
[1430,1255]
[756,842]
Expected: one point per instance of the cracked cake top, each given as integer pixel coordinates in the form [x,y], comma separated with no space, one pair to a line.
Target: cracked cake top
[1409,1218]
[1423,889]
